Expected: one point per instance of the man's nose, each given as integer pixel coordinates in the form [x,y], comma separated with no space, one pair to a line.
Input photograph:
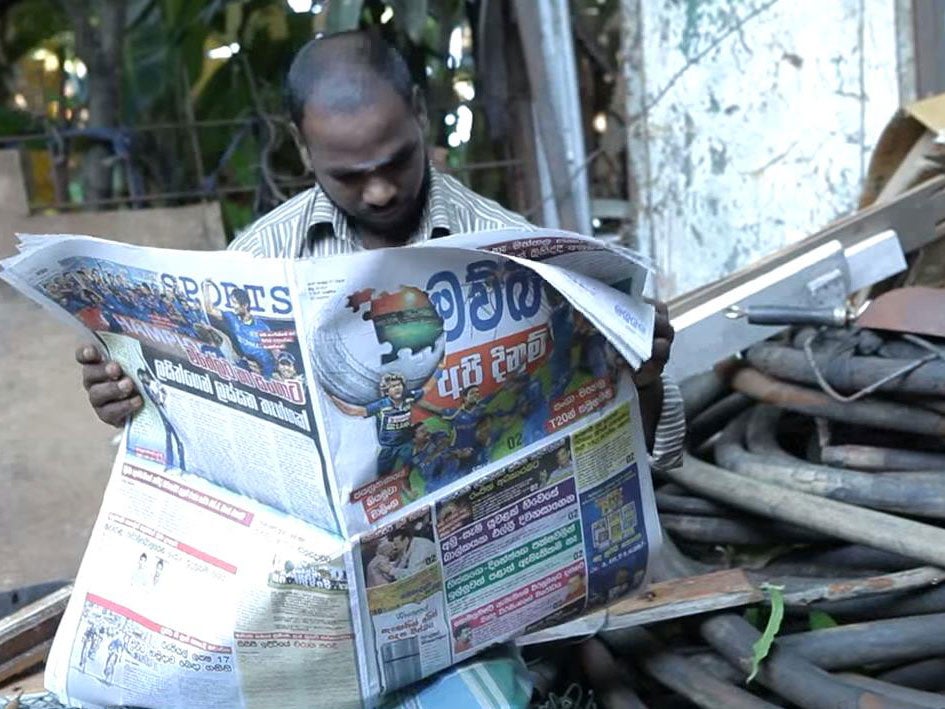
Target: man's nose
[378,192]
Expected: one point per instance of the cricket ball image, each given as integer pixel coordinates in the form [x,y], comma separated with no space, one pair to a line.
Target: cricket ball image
[369,334]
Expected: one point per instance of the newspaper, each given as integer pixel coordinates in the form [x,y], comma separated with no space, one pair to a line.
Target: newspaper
[353,472]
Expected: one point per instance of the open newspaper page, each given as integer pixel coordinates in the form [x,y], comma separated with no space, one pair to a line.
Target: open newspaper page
[210,341]
[192,596]
[485,444]
[463,420]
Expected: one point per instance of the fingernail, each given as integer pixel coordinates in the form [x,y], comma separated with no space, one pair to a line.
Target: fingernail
[125,385]
[88,352]
[137,402]
[113,370]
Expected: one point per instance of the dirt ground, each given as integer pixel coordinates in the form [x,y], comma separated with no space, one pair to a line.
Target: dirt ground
[53,468]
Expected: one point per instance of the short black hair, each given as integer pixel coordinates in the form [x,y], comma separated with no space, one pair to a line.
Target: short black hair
[340,67]
[403,533]
[238,295]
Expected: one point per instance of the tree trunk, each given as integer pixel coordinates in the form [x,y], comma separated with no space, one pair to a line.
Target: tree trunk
[99,27]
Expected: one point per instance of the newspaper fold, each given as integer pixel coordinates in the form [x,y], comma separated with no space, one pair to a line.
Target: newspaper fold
[351,472]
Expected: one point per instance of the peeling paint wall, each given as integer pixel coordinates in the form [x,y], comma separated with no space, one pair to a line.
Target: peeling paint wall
[752,123]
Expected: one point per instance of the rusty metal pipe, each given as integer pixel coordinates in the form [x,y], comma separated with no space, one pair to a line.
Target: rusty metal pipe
[713,418]
[892,605]
[921,494]
[689,505]
[858,644]
[920,541]
[928,675]
[741,531]
[866,412]
[852,556]
[701,391]
[893,691]
[871,458]
[785,672]
[848,374]
[679,674]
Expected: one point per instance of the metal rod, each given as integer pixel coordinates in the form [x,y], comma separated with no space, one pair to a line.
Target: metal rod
[920,541]
[679,673]
[785,672]
[867,412]
[858,644]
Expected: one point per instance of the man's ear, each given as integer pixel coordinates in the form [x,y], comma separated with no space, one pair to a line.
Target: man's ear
[419,107]
[304,155]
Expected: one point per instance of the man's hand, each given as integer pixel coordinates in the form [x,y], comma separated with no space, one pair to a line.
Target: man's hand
[111,393]
[648,378]
[663,335]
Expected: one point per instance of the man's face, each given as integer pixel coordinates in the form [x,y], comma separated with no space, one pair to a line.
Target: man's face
[422,436]
[371,163]
[472,397]
[396,390]
[564,458]
[399,545]
[241,309]
[287,369]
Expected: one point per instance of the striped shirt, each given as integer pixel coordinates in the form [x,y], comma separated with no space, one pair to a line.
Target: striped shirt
[310,225]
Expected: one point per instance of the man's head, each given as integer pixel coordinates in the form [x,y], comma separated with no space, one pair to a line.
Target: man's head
[364,122]
[563,457]
[399,541]
[463,632]
[286,365]
[240,301]
[471,396]
[393,385]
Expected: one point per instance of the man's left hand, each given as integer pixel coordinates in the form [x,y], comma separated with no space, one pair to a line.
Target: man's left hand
[663,335]
[648,378]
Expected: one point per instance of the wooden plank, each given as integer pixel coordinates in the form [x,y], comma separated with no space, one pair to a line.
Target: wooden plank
[25,661]
[24,684]
[684,597]
[666,600]
[31,627]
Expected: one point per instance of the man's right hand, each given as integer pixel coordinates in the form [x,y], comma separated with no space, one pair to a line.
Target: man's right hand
[112,394]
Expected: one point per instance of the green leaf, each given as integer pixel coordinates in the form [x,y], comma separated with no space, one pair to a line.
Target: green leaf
[820,620]
[412,16]
[343,15]
[761,648]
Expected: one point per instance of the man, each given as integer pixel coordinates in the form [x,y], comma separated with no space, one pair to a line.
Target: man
[364,123]
[411,553]
[392,413]
[244,330]
[173,446]
[465,419]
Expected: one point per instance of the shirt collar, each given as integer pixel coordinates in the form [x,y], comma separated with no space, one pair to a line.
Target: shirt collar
[326,221]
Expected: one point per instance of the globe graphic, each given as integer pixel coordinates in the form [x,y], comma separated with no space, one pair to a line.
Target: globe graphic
[369,334]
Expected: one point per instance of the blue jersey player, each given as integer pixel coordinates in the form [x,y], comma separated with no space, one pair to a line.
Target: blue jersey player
[245,332]
[393,413]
